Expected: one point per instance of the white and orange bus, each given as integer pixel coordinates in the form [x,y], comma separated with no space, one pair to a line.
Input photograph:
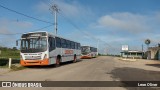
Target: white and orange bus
[43,48]
[88,52]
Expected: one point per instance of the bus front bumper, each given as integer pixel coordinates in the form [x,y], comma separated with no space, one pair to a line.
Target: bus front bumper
[86,57]
[34,62]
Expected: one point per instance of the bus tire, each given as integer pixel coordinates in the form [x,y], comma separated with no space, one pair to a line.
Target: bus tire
[75,59]
[58,61]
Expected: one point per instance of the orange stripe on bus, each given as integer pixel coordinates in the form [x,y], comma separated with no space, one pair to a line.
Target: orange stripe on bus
[68,51]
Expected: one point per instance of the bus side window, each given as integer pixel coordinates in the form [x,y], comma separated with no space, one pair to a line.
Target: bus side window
[58,42]
[72,45]
[63,43]
[51,43]
[68,44]
[79,46]
[91,49]
[75,44]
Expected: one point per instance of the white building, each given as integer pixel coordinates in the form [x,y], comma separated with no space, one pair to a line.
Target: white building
[132,54]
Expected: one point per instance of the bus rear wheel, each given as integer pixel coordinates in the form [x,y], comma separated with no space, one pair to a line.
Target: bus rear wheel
[75,59]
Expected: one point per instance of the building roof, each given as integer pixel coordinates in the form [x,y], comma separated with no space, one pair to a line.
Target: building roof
[132,51]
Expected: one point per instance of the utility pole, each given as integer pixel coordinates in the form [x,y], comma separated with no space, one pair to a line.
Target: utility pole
[105,51]
[142,47]
[55,10]
[97,46]
[142,51]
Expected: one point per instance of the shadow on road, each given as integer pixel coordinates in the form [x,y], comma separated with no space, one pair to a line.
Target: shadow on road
[53,65]
[135,74]
[154,65]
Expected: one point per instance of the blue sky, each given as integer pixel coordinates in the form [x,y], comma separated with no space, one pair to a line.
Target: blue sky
[113,22]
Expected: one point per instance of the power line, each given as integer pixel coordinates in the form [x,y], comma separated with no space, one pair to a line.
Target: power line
[25,15]
[25,32]
[77,28]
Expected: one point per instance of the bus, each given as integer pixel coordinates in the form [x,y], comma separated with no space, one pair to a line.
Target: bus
[88,52]
[43,48]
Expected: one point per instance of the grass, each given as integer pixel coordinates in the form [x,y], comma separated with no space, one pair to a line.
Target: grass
[16,68]
[4,66]
[7,53]
[10,54]
[5,61]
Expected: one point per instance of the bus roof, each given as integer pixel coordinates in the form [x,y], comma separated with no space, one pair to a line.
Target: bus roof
[51,34]
[34,32]
[87,46]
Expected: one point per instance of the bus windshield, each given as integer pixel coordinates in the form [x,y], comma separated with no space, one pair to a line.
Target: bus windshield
[85,50]
[33,45]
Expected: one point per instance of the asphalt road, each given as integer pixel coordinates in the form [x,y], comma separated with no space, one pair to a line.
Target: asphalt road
[97,69]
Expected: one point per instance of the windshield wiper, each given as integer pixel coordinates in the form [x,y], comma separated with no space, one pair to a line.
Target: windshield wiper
[37,39]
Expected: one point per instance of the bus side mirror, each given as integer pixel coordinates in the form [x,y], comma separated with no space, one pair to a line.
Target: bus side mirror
[16,42]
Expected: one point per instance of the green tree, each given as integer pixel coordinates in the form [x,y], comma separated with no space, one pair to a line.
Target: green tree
[14,48]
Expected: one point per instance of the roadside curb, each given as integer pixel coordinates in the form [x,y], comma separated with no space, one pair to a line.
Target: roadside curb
[14,67]
[124,59]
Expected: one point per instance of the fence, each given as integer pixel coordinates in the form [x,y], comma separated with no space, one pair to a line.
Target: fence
[9,61]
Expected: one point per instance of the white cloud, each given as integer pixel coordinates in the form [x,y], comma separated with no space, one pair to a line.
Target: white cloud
[113,39]
[69,9]
[4,26]
[129,22]
[42,7]
[8,26]
[128,28]
[4,29]
[157,16]
[136,26]
[22,24]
